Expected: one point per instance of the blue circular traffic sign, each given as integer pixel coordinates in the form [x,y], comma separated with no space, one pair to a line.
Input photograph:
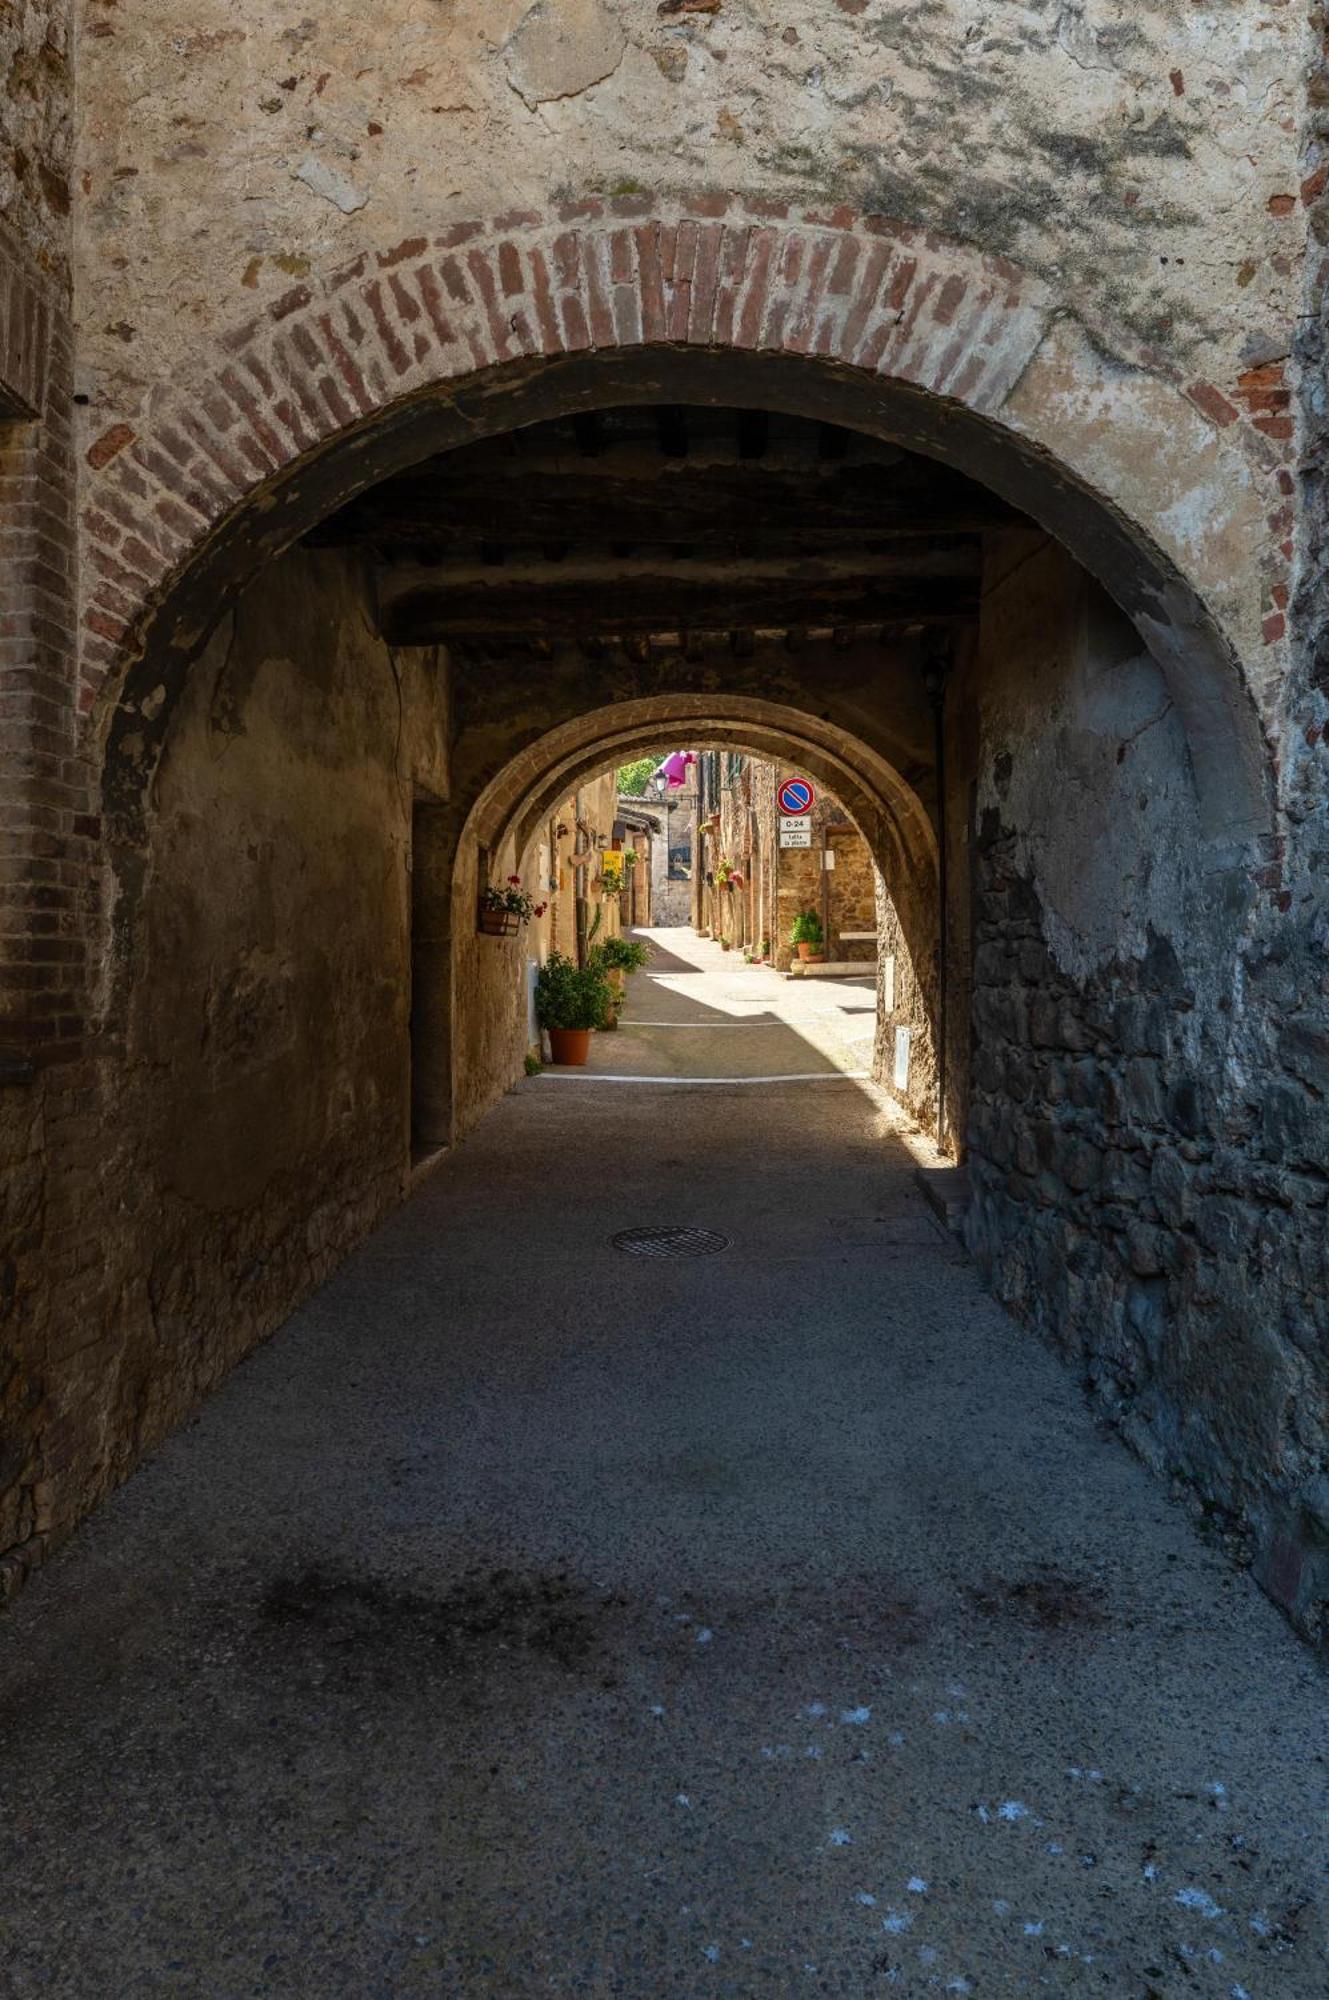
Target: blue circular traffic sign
[796,796]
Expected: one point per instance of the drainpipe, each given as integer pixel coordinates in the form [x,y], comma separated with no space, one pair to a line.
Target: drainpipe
[934,681]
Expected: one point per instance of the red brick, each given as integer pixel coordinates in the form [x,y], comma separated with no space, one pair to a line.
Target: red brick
[650,281]
[414,246]
[104,448]
[510,277]
[1213,403]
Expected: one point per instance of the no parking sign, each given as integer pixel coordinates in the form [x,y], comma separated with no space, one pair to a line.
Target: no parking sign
[796,797]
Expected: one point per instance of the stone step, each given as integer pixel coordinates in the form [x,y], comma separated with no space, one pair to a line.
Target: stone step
[834,968]
[946,1192]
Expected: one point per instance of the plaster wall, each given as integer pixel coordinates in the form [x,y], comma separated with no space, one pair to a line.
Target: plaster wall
[491,1019]
[1144,158]
[256,1124]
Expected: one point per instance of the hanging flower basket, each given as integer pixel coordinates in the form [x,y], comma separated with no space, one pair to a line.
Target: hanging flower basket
[502,912]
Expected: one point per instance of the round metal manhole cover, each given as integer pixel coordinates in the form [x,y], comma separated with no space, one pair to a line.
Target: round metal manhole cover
[670,1242]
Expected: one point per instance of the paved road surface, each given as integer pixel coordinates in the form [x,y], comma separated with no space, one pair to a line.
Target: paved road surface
[528,1618]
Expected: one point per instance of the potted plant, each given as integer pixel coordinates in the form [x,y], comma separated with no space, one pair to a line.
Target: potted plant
[622,956]
[619,956]
[504,911]
[570,1000]
[806,934]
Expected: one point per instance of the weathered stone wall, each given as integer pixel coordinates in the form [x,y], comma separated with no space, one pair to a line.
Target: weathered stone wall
[906,998]
[1147,157]
[1147,1140]
[853,896]
[490,982]
[777,883]
[255,1125]
[36,94]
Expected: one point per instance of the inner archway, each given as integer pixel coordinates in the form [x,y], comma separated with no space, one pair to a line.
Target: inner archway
[507,833]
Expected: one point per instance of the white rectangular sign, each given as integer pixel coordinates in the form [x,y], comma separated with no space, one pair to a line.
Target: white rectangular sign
[797,836]
[803,823]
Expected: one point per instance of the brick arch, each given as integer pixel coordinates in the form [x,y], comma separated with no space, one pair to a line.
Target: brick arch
[888,809]
[431,342]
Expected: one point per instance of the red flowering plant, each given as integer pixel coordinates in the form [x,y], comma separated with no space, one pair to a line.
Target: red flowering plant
[511,901]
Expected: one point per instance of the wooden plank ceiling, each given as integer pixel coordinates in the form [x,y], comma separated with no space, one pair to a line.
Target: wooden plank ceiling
[634,524]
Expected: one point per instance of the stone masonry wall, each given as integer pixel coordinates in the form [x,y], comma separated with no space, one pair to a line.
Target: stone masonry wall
[36,99]
[853,896]
[1146,1137]
[906,999]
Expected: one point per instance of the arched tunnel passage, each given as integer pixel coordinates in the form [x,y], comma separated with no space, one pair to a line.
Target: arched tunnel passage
[508,830]
[377,724]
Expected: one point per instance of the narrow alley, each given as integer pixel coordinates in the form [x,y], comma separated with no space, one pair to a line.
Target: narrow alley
[530,1617]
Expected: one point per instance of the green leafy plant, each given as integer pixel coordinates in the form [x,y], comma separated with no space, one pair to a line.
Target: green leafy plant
[533,1065]
[629,858]
[622,954]
[633,778]
[568,995]
[806,928]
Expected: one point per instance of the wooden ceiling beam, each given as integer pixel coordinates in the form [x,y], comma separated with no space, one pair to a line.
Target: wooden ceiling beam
[541,499]
[662,604]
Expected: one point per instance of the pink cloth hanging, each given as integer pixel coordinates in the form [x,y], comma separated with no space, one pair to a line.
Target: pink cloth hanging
[675,768]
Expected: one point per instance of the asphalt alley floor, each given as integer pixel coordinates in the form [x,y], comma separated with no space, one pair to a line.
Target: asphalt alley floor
[529,1618]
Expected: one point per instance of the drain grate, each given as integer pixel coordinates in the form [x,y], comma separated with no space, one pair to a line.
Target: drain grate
[670,1242]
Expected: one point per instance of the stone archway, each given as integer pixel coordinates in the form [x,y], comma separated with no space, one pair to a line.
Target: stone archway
[475,987]
[424,344]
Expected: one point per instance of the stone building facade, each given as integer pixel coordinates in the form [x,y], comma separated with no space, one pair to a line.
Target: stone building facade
[751,887]
[669,822]
[967,371]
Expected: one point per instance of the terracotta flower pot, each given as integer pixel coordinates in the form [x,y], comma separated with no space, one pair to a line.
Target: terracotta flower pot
[499,923]
[570,1046]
